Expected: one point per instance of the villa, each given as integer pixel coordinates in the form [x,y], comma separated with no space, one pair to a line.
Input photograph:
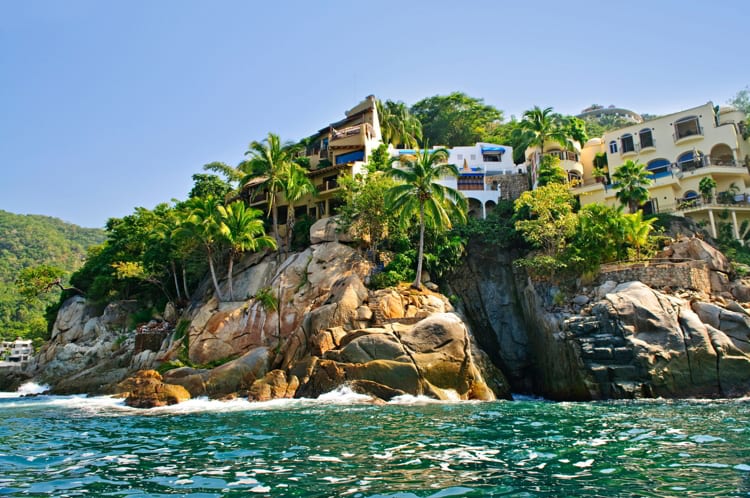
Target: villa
[487,171]
[339,148]
[679,150]
[486,174]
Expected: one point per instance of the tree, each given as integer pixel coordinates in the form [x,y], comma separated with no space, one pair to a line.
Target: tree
[205,185]
[201,221]
[550,171]
[598,236]
[271,159]
[296,185]
[365,212]
[631,179]
[706,187]
[542,126]
[546,218]
[34,281]
[636,231]
[398,125]
[455,119]
[420,195]
[242,230]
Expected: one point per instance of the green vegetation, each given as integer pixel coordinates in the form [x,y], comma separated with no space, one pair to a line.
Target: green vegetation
[398,125]
[455,119]
[38,252]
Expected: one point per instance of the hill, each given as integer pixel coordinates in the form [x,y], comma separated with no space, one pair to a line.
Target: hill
[31,240]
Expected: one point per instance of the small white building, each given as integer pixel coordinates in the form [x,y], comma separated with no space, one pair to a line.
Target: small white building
[18,351]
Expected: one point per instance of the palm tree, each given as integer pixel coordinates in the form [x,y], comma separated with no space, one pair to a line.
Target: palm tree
[242,228]
[271,159]
[201,221]
[419,195]
[706,188]
[631,179]
[542,126]
[636,230]
[398,125]
[296,185]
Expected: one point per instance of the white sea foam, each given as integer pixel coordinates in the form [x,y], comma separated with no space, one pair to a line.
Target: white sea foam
[344,395]
[32,388]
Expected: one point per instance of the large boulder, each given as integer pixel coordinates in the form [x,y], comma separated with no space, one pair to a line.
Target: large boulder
[434,357]
[146,389]
[328,230]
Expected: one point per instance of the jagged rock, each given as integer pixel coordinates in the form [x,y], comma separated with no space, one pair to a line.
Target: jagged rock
[581,300]
[146,389]
[433,357]
[605,289]
[695,248]
[328,230]
[276,384]
[492,308]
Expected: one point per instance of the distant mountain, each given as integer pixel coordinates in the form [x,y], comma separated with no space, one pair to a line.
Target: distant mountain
[31,240]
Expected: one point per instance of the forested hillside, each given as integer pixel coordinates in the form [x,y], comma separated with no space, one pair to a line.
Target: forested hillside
[28,241]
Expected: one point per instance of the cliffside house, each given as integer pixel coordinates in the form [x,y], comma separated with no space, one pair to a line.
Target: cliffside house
[486,174]
[679,150]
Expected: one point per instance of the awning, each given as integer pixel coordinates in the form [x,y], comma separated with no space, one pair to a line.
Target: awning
[489,148]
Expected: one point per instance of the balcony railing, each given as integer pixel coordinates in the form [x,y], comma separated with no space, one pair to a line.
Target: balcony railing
[328,185]
[564,155]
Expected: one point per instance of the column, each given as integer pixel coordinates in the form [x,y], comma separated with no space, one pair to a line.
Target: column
[713,224]
[735,226]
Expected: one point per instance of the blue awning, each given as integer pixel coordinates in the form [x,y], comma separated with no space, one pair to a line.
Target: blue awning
[357,155]
[487,148]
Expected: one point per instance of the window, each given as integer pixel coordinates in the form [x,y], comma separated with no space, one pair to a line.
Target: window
[492,158]
[646,138]
[686,127]
[628,145]
[613,147]
[473,157]
[460,156]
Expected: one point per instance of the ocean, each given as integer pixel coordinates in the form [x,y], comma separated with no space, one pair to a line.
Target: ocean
[340,445]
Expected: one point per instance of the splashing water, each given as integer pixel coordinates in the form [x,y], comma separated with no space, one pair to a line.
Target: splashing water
[341,445]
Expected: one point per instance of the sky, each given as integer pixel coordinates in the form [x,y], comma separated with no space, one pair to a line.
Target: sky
[107,106]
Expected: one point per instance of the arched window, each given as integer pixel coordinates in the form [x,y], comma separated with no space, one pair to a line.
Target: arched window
[613,147]
[628,145]
[690,160]
[690,195]
[659,168]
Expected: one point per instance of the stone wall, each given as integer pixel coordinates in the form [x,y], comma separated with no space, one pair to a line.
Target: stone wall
[693,275]
[512,186]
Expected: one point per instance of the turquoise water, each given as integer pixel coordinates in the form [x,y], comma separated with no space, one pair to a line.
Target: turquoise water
[74,446]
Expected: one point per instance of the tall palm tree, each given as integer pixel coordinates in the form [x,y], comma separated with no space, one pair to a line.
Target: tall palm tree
[631,179]
[272,160]
[397,125]
[419,195]
[242,228]
[201,221]
[296,185]
[541,126]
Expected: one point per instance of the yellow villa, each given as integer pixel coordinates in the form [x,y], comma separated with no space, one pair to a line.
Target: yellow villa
[678,150]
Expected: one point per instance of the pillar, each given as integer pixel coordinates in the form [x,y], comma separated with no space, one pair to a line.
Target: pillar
[713,223]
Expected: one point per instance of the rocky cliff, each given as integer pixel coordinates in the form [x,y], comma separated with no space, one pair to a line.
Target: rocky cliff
[306,324]
[688,334]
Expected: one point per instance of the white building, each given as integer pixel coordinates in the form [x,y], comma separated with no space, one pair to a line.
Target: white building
[481,168]
[18,351]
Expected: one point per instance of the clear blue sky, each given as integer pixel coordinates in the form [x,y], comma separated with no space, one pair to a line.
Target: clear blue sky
[109,105]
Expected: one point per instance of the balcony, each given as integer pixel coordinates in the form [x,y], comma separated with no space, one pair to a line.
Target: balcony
[328,185]
[350,137]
